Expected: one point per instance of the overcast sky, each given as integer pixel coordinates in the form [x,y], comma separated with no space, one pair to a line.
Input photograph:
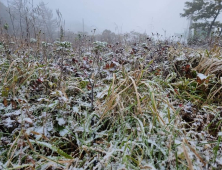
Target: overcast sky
[122,15]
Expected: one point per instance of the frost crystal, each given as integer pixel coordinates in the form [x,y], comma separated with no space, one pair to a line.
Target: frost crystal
[8,122]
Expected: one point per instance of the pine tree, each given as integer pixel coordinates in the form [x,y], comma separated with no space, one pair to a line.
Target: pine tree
[204,15]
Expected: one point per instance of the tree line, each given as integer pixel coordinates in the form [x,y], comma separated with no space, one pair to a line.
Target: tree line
[24,19]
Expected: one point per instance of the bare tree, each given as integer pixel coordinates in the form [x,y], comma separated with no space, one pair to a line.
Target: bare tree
[27,19]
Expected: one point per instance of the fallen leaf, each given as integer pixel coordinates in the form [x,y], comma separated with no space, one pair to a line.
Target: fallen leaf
[5,102]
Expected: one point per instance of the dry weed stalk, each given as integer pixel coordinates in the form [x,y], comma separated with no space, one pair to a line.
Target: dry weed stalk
[209,66]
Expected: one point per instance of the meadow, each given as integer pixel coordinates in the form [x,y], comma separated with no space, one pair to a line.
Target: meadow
[149,104]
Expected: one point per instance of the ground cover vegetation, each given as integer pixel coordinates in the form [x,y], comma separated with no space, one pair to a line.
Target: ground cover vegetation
[128,101]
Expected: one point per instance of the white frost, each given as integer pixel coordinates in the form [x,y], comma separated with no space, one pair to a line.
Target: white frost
[15,113]
[27,120]
[61,121]
[75,109]
[63,132]
[43,99]
[8,122]
[220,134]
[201,76]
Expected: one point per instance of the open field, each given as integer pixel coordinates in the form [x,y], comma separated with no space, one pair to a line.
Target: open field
[154,104]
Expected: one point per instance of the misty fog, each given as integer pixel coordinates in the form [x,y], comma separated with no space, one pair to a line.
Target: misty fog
[144,16]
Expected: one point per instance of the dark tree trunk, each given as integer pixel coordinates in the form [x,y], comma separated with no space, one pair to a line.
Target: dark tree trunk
[212,24]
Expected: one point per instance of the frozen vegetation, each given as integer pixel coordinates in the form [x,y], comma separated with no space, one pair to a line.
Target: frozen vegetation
[148,104]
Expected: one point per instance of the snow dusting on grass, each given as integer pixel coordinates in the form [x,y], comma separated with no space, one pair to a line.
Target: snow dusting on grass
[148,105]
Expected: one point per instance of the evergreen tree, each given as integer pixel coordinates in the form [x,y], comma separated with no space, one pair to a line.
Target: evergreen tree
[204,14]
